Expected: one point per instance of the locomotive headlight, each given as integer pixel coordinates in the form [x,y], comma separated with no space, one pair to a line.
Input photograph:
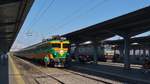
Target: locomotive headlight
[61,51]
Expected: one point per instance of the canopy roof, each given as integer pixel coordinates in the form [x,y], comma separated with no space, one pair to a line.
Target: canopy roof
[127,25]
[145,40]
[12,16]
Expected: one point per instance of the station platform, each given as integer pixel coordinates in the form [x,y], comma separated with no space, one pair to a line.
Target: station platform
[15,77]
[114,71]
[4,72]
[10,74]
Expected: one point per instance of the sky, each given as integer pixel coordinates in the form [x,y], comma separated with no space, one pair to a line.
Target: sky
[58,17]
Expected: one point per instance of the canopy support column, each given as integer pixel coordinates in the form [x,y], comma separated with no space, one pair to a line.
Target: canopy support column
[95,45]
[76,52]
[127,51]
[134,52]
[149,51]
[121,52]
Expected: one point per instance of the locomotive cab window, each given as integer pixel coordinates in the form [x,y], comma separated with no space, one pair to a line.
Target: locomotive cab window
[55,45]
[65,45]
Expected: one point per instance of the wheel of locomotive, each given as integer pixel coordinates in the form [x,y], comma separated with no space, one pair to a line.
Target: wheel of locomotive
[52,63]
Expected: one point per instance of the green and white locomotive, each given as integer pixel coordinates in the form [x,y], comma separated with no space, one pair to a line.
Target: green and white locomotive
[56,49]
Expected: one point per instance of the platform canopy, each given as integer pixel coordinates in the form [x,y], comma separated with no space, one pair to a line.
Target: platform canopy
[127,25]
[144,40]
[12,16]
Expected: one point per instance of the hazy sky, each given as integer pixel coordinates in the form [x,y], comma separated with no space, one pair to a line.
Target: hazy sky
[57,17]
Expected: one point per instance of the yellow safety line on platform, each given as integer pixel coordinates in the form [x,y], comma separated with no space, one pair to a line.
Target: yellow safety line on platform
[18,78]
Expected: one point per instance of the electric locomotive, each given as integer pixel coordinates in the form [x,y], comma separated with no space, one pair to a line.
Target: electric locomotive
[55,48]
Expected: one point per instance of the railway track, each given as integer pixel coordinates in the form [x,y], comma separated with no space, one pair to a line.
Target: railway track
[66,72]
[86,76]
[49,76]
[57,75]
[36,72]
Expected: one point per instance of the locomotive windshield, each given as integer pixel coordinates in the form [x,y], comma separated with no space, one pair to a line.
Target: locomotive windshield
[65,45]
[56,45]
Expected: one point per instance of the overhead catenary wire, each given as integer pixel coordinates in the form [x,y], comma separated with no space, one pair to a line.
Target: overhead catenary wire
[38,17]
[39,12]
[78,10]
[29,32]
[81,14]
[36,20]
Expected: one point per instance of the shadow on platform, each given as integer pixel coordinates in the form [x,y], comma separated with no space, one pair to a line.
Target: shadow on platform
[4,79]
[118,73]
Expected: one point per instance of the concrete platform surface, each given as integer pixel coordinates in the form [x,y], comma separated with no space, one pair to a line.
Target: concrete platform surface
[15,77]
[115,71]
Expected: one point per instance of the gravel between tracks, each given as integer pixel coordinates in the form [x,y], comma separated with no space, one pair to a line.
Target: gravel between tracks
[33,74]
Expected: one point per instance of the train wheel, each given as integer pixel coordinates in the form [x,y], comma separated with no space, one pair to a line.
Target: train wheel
[51,63]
